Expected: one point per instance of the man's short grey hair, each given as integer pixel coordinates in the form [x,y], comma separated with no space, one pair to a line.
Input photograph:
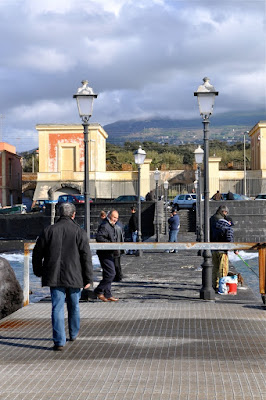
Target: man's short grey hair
[223,208]
[111,212]
[67,210]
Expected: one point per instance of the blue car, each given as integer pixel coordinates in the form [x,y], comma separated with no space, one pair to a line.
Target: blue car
[40,205]
[129,198]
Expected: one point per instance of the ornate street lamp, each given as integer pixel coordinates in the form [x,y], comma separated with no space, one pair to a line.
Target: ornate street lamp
[166,185]
[139,156]
[206,95]
[156,178]
[199,153]
[85,97]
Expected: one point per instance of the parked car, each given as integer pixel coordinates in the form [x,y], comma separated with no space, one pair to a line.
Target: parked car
[129,198]
[72,198]
[236,196]
[260,197]
[40,205]
[15,209]
[186,201]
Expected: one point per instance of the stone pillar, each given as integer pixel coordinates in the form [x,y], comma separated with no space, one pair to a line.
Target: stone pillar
[145,177]
[214,175]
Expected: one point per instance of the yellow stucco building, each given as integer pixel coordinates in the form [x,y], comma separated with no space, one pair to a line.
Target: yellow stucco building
[256,177]
[61,164]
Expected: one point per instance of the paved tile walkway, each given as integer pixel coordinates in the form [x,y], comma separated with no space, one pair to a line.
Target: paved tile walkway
[159,342]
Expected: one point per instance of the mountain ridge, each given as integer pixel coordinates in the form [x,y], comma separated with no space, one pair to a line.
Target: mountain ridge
[176,130]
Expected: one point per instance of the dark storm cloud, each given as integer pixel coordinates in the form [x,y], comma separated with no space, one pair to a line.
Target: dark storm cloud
[144,58]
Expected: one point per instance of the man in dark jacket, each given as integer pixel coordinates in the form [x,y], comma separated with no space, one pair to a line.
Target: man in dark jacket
[220,231]
[107,233]
[133,227]
[230,195]
[174,225]
[62,258]
[119,238]
[221,213]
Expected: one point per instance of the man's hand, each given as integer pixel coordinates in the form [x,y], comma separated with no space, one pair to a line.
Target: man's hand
[87,286]
[236,252]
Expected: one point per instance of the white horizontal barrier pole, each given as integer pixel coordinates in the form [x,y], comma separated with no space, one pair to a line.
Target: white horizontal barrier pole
[153,246]
[169,246]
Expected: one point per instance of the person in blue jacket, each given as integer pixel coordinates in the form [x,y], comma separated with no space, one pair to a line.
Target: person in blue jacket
[174,225]
[220,231]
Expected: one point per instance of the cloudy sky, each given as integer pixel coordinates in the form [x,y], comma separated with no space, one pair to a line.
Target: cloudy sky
[143,57]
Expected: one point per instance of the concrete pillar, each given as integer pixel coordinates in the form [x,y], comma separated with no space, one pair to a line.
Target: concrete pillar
[145,177]
[214,174]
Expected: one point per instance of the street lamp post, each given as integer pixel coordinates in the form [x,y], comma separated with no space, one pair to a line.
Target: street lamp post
[199,153]
[156,178]
[85,97]
[197,206]
[139,156]
[245,165]
[206,95]
[166,185]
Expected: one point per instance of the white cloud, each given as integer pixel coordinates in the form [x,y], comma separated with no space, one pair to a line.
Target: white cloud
[143,57]
[34,7]
[46,59]
[45,111]
[22,139]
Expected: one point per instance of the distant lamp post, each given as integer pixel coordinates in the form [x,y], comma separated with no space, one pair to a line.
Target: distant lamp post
[156,178]
[85,97]
[199,153]
[139,156]
[245,165]
[166,185]
[206,95]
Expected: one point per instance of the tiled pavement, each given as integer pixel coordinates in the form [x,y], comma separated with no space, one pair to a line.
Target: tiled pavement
[159,342]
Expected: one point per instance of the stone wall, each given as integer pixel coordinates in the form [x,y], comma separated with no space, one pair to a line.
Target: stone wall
[249,218]
[29,226]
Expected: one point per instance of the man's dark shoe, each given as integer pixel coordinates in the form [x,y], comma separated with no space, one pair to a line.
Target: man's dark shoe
[73,338]
[117,280]
[58,348]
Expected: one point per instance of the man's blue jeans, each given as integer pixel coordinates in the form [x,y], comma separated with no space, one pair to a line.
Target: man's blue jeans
[134,237]
[173,234]
[58,295]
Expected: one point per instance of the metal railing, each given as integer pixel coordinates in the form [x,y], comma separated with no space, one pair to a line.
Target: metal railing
[155,246]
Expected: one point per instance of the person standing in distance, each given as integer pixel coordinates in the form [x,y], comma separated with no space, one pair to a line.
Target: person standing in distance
[174,225]
[62,258]
[107,234]
[103,215]
[133,227]
[117,255]
[230,195]
[217,196]
[220,231]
